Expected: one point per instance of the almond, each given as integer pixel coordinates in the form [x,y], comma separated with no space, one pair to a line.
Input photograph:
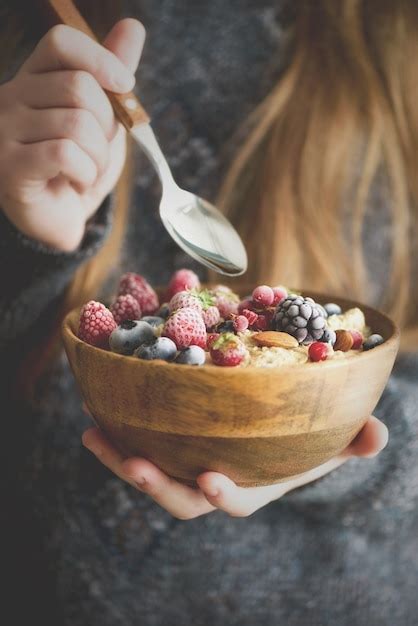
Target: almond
[344,341]
[275,339]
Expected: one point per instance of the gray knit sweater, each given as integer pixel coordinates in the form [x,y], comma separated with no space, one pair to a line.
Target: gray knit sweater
[81,548]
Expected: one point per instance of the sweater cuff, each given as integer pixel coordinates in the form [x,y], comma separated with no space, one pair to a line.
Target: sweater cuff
[96,231]
[33,276]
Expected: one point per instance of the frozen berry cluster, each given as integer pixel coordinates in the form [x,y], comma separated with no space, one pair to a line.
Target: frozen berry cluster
[194,325]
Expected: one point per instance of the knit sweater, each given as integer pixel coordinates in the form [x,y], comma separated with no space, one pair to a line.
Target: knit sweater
[82,548]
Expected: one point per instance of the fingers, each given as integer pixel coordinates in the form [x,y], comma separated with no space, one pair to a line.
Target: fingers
[79,126]
[96,442]
[224,494]
[181,501]
[371,439]
[67,48]
[126,40]
[71,89]
[48,159]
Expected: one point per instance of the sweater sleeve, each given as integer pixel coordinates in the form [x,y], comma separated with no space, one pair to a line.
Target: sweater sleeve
[33,276]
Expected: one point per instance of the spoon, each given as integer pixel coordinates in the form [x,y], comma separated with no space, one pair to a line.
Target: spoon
[198,227]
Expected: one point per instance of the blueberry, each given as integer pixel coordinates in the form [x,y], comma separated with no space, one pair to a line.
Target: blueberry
[193,355]
[225,327]
[160,348]
[153,320]
[126,338]
[372,342]
[332,309]
[329,336]
[163,311]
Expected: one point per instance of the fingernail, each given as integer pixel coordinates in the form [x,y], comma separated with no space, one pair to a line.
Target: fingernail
[140,483]
[213,493]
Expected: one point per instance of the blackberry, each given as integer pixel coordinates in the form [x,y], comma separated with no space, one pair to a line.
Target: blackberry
[300,317]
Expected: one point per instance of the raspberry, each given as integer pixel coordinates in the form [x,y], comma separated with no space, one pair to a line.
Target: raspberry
[263,295]
[240,323]
[251,316]
[318,351]
[125,308]
[357,339]
[96,324]
[181,281]
[280,293]
[228,350]
[141,290]
[186,328]
[211,316]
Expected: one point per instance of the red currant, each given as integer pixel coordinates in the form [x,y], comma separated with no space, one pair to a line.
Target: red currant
[318,351]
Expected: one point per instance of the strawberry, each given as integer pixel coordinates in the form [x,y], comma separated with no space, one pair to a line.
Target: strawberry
[186,328]
[96,324]
[185,300]
[212,337]
[228,350]
[182,280]
[125,308]
[211,316]
[226,300]
[141,290]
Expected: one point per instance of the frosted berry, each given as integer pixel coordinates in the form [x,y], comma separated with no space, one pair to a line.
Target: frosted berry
[318,351]
[211,316]
[225,327]
[225,300]
[153,320]
[251,316]
[141,290]
[127,337]
[185,300]
[96,324]
[262,322]
[193,355]
[246,304]
[263,295]
[357,339]
[182,280]
[280,294]
[228,351]
[329,336]
[332,309]
[240,323]
[301,317]
[372,342]
[186,327]
[125,308]
[212,337]
[163,311]
[161,348]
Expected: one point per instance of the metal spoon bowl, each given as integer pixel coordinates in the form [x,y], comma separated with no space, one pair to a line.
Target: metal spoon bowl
[198,227]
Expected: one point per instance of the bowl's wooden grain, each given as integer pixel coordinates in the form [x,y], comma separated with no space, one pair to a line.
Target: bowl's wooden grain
[258,426]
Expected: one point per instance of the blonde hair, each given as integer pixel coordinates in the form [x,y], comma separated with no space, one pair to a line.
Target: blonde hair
[343,113]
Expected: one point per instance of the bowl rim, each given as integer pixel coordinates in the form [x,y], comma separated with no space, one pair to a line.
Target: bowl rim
[392,343]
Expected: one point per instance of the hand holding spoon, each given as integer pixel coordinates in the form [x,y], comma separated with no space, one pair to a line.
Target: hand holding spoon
[198,227]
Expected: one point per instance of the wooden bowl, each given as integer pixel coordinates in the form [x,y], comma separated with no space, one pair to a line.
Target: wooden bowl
[256,425]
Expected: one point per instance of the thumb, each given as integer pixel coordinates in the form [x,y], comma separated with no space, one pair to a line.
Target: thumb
[126,41]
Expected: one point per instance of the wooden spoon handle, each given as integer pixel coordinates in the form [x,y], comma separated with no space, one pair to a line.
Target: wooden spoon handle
[127,107]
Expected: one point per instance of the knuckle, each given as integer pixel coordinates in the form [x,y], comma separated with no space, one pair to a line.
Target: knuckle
[76,122]
[62,151]
[56,36]
[79,86]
